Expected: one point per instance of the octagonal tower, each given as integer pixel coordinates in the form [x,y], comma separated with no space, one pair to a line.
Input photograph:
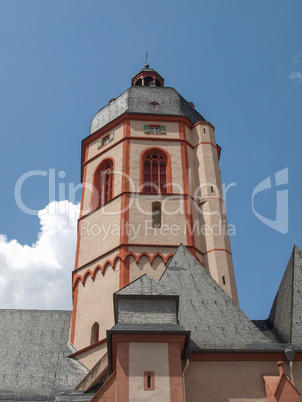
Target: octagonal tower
[151,181]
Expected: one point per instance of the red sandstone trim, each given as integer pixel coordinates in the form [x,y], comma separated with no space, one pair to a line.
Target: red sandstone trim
[135,337]
[186,187]
[208,198]
[218,249]
[79,223]
[175,374]
[135,245]
[205,143]
[124,268]
[76,262]
[122,371]
[123,257]
[134,193]
[217,147]
[124,221]
[239,356]
[74,310]
[155,139]
[120,246]
[203,122]
[78,352]
[82,278]
[138,117]
[108,389]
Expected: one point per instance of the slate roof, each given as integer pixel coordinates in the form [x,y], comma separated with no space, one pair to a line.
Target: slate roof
[145,285]
[152,328]
[34,349]
[215,321]
[286,313]
[137,100]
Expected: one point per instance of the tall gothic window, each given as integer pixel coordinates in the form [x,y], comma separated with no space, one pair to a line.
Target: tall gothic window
[106,178]
[155,173]
[102,184]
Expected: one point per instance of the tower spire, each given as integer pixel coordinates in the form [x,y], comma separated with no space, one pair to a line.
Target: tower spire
[146,63]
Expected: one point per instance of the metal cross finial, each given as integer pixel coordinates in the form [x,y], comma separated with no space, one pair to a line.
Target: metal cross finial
[146,64]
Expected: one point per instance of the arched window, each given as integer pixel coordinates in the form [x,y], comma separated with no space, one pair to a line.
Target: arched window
[155,173]
[103,184]
[94,333]
[106,183]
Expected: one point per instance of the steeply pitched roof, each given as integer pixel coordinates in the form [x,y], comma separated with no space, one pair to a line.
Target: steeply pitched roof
[145,285]
[137,100]
[285,315]
[33,349]
[205,309]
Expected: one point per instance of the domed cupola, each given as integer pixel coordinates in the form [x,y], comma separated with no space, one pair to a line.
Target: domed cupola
[147,77]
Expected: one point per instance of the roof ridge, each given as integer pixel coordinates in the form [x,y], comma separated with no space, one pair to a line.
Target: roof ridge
[205,308]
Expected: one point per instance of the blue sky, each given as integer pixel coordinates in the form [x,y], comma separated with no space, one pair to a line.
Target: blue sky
[240,62]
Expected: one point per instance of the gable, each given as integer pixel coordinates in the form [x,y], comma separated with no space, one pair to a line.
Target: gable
[205,309]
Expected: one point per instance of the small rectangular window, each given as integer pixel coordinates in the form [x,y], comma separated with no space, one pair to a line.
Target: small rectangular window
[223,280]
[154,130]
[106,140]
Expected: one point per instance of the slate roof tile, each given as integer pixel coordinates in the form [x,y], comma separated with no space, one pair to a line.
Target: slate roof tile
[34,350]
[205,309]
[137,100]
[145,285]
[286,313]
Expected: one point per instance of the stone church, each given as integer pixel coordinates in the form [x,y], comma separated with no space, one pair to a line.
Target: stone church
[155,307]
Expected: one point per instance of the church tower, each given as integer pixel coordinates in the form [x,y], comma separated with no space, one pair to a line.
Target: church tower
[151,181]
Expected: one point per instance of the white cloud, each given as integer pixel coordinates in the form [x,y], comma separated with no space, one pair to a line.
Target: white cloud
[297,58]
[39,277]
[295,76]
[278,70]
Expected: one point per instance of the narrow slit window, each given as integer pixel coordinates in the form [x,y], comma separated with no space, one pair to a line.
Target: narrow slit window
[156,213]
[204,130]
[212,189]
[149,381]
[223,280]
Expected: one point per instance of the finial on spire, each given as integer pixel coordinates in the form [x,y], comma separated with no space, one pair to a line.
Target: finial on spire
[146,64]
